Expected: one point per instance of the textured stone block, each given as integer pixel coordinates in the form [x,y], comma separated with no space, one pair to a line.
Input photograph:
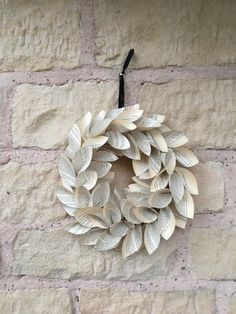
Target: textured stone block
[27,193]
[232,304]
[35,301]
[143,302]
[213,253]
[165,32]
[203,109]
[230,189]
[42,115]
[210,180]
[56,254]
[35,36]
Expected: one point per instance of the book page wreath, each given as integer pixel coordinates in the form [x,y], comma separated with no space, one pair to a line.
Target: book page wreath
[158,200]
[160,195]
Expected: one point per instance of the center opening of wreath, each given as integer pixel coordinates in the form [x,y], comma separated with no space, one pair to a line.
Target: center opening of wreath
[123,170]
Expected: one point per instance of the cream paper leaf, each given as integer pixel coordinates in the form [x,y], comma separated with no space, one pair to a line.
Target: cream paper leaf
[69,210]
[175,139]
[186,157]
[99,127]
[74,139]
[90,217]
[122,126]
[147,123]
[111,212]
[117,140]
[132,107]
[164,128]
[189,180]
[95,142]
[145,183]
[84,123]
[186,206]
[92,236]
[140,166]
[144,214]
[166,223]
[134,187]
[100,194]
[66,171]
[119,229]
[107,178]
[104,155]
[160,199]
[113,114]
[107,242]
[83,197]
[138,198]
[154,162]
[81,178]
[101,168]
[151,237]
[132,242]
[91,179]
[169,161]
[130,115]
[120,193]
[77,228]
[132,152]
[157,117]
[180,221]
[157,140]
[127,210]
[160,181]
[177,186]
[82,159]
[147,175]
[66,197]
[142,142]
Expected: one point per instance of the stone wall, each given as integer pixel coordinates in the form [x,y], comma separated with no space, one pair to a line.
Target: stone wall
[59,59]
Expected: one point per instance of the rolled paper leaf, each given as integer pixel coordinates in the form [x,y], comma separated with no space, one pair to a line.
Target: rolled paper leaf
[175,139]
[166,223]
[142,142]
[132,242]
[117,140]
[133,151]
[151,237]
[145,214]
[190,181]
[100,194]
[185,157]
[186,206]
[119,229]
[66,171]
[77,228]
[82,159]
[160,181]
[157,140]
[177,186]
[74,139]
[107,242]
[104,155]
[95,142]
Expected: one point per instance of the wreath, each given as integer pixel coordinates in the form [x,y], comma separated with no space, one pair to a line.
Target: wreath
[160,195]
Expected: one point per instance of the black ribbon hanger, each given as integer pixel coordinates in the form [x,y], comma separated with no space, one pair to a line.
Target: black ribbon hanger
[121,101]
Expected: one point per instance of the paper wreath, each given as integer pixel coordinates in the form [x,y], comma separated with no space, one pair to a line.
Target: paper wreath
[158,200]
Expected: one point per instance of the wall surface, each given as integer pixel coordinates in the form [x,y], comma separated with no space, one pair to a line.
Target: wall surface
[59,59]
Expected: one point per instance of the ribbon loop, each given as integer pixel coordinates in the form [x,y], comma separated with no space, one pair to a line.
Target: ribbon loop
[121,101]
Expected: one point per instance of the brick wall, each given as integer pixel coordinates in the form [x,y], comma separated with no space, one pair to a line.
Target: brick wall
[59,59]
